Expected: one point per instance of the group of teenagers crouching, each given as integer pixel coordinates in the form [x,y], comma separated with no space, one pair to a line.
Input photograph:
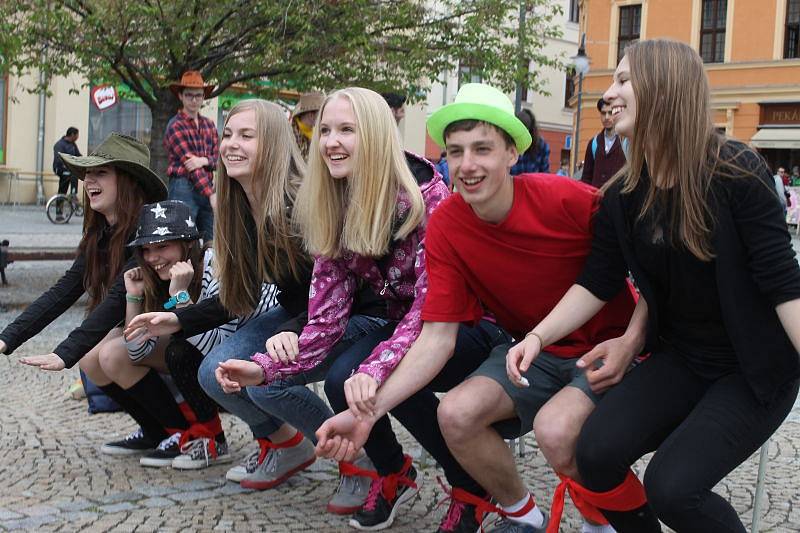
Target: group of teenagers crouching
[659,314]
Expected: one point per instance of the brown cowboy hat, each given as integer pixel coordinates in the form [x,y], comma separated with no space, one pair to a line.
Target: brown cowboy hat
[308,102]
[191,79]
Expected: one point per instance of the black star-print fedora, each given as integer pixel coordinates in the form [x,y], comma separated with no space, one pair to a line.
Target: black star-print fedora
[169,220]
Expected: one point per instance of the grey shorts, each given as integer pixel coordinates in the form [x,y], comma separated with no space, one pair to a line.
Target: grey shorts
[547,375]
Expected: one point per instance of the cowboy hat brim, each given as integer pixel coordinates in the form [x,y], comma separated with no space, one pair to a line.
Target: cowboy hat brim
[155,239]
[456,111]
[176,88]
[154,188]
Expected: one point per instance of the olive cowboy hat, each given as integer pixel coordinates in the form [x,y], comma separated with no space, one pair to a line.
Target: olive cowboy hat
[125,153]
[191,79]
[477,101]
[169,220]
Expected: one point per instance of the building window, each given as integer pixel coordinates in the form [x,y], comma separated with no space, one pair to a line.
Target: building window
[3,111]
[712,32]
[468,73]
[574,10]
[791,47]
[630,23]
[129,116]
[569,86]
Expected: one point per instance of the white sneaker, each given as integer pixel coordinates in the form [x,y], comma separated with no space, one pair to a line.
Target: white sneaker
[197,454]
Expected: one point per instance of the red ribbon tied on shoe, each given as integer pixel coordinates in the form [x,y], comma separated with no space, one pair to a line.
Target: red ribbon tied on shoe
[392,481]
[200,431]
[267,445]
[482,506]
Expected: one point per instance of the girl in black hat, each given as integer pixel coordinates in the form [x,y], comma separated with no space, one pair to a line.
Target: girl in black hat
[172,273]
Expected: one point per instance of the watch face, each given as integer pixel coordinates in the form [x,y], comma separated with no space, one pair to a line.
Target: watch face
[182,297]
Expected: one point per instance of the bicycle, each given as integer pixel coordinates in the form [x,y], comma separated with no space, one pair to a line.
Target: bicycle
[61,207]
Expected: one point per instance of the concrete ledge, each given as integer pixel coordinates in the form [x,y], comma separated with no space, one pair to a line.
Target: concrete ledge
[42,254]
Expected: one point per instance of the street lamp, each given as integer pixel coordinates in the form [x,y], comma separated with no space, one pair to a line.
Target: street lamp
[581,63]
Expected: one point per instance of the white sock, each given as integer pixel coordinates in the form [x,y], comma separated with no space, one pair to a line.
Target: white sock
[533,517]
[596,528]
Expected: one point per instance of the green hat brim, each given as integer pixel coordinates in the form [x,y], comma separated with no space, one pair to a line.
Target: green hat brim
[456,111]
[154,188]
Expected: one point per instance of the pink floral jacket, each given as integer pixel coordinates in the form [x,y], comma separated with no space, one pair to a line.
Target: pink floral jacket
[399,277]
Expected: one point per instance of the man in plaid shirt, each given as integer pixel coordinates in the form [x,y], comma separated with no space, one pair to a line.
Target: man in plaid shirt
[191,142]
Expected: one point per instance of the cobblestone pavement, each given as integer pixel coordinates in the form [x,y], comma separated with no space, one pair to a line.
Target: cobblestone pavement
[55,479]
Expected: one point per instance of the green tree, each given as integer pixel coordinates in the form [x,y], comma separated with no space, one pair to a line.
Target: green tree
[400,45]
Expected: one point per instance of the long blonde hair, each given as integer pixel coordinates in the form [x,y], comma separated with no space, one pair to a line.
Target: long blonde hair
[675,135]
[358,213]
[277,256]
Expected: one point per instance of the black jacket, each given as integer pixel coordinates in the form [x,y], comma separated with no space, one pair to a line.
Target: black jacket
[755,270]
[66,147]
[61,297]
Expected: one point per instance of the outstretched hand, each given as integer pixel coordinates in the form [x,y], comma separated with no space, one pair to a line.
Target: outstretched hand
[50,361]
[607,363]
[149,325]
[235,374]
[341,437]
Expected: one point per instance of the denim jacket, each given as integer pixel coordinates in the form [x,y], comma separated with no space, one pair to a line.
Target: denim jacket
[399,277]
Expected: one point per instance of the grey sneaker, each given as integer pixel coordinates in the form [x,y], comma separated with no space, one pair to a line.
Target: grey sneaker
[506,525]
[354,481]
[247,466]
[280,464]
[201,453]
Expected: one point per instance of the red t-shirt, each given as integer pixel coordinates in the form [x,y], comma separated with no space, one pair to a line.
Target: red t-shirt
[520,268]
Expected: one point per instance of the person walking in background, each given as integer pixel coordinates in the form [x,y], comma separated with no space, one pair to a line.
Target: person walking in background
[303,119]
[605,153]
[794,179]
[66,180]
[537,157]
[191,142]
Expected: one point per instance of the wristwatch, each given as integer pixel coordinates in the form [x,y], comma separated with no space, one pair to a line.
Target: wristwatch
[180,297]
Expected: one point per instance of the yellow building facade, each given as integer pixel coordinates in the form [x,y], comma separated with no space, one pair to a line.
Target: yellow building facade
[752,58]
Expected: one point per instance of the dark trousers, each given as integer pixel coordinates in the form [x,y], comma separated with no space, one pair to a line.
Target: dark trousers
[67,181]
[418,413]
[700,430]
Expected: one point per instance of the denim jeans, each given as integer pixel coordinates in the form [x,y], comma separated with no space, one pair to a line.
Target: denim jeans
[182,189]
[290,400]
[244,343]
[418,412]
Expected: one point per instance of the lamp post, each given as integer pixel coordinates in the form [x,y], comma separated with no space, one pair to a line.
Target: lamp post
[581,63]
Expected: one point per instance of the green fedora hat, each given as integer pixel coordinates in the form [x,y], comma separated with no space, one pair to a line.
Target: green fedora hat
[126,154]
[476,101]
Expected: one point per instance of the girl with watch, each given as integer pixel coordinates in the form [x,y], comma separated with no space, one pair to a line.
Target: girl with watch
[172,272]
[255,243]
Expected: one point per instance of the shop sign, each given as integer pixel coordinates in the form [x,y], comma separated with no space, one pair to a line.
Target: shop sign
[784,113]
[104,96]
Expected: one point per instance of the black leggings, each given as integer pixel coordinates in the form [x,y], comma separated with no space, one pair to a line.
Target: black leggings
[418,412]
[700,430]
[183,361]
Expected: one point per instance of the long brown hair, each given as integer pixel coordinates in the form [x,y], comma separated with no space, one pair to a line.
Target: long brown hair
[674,135]
[358,213]
[156,290]
[103,265]
[277,256]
